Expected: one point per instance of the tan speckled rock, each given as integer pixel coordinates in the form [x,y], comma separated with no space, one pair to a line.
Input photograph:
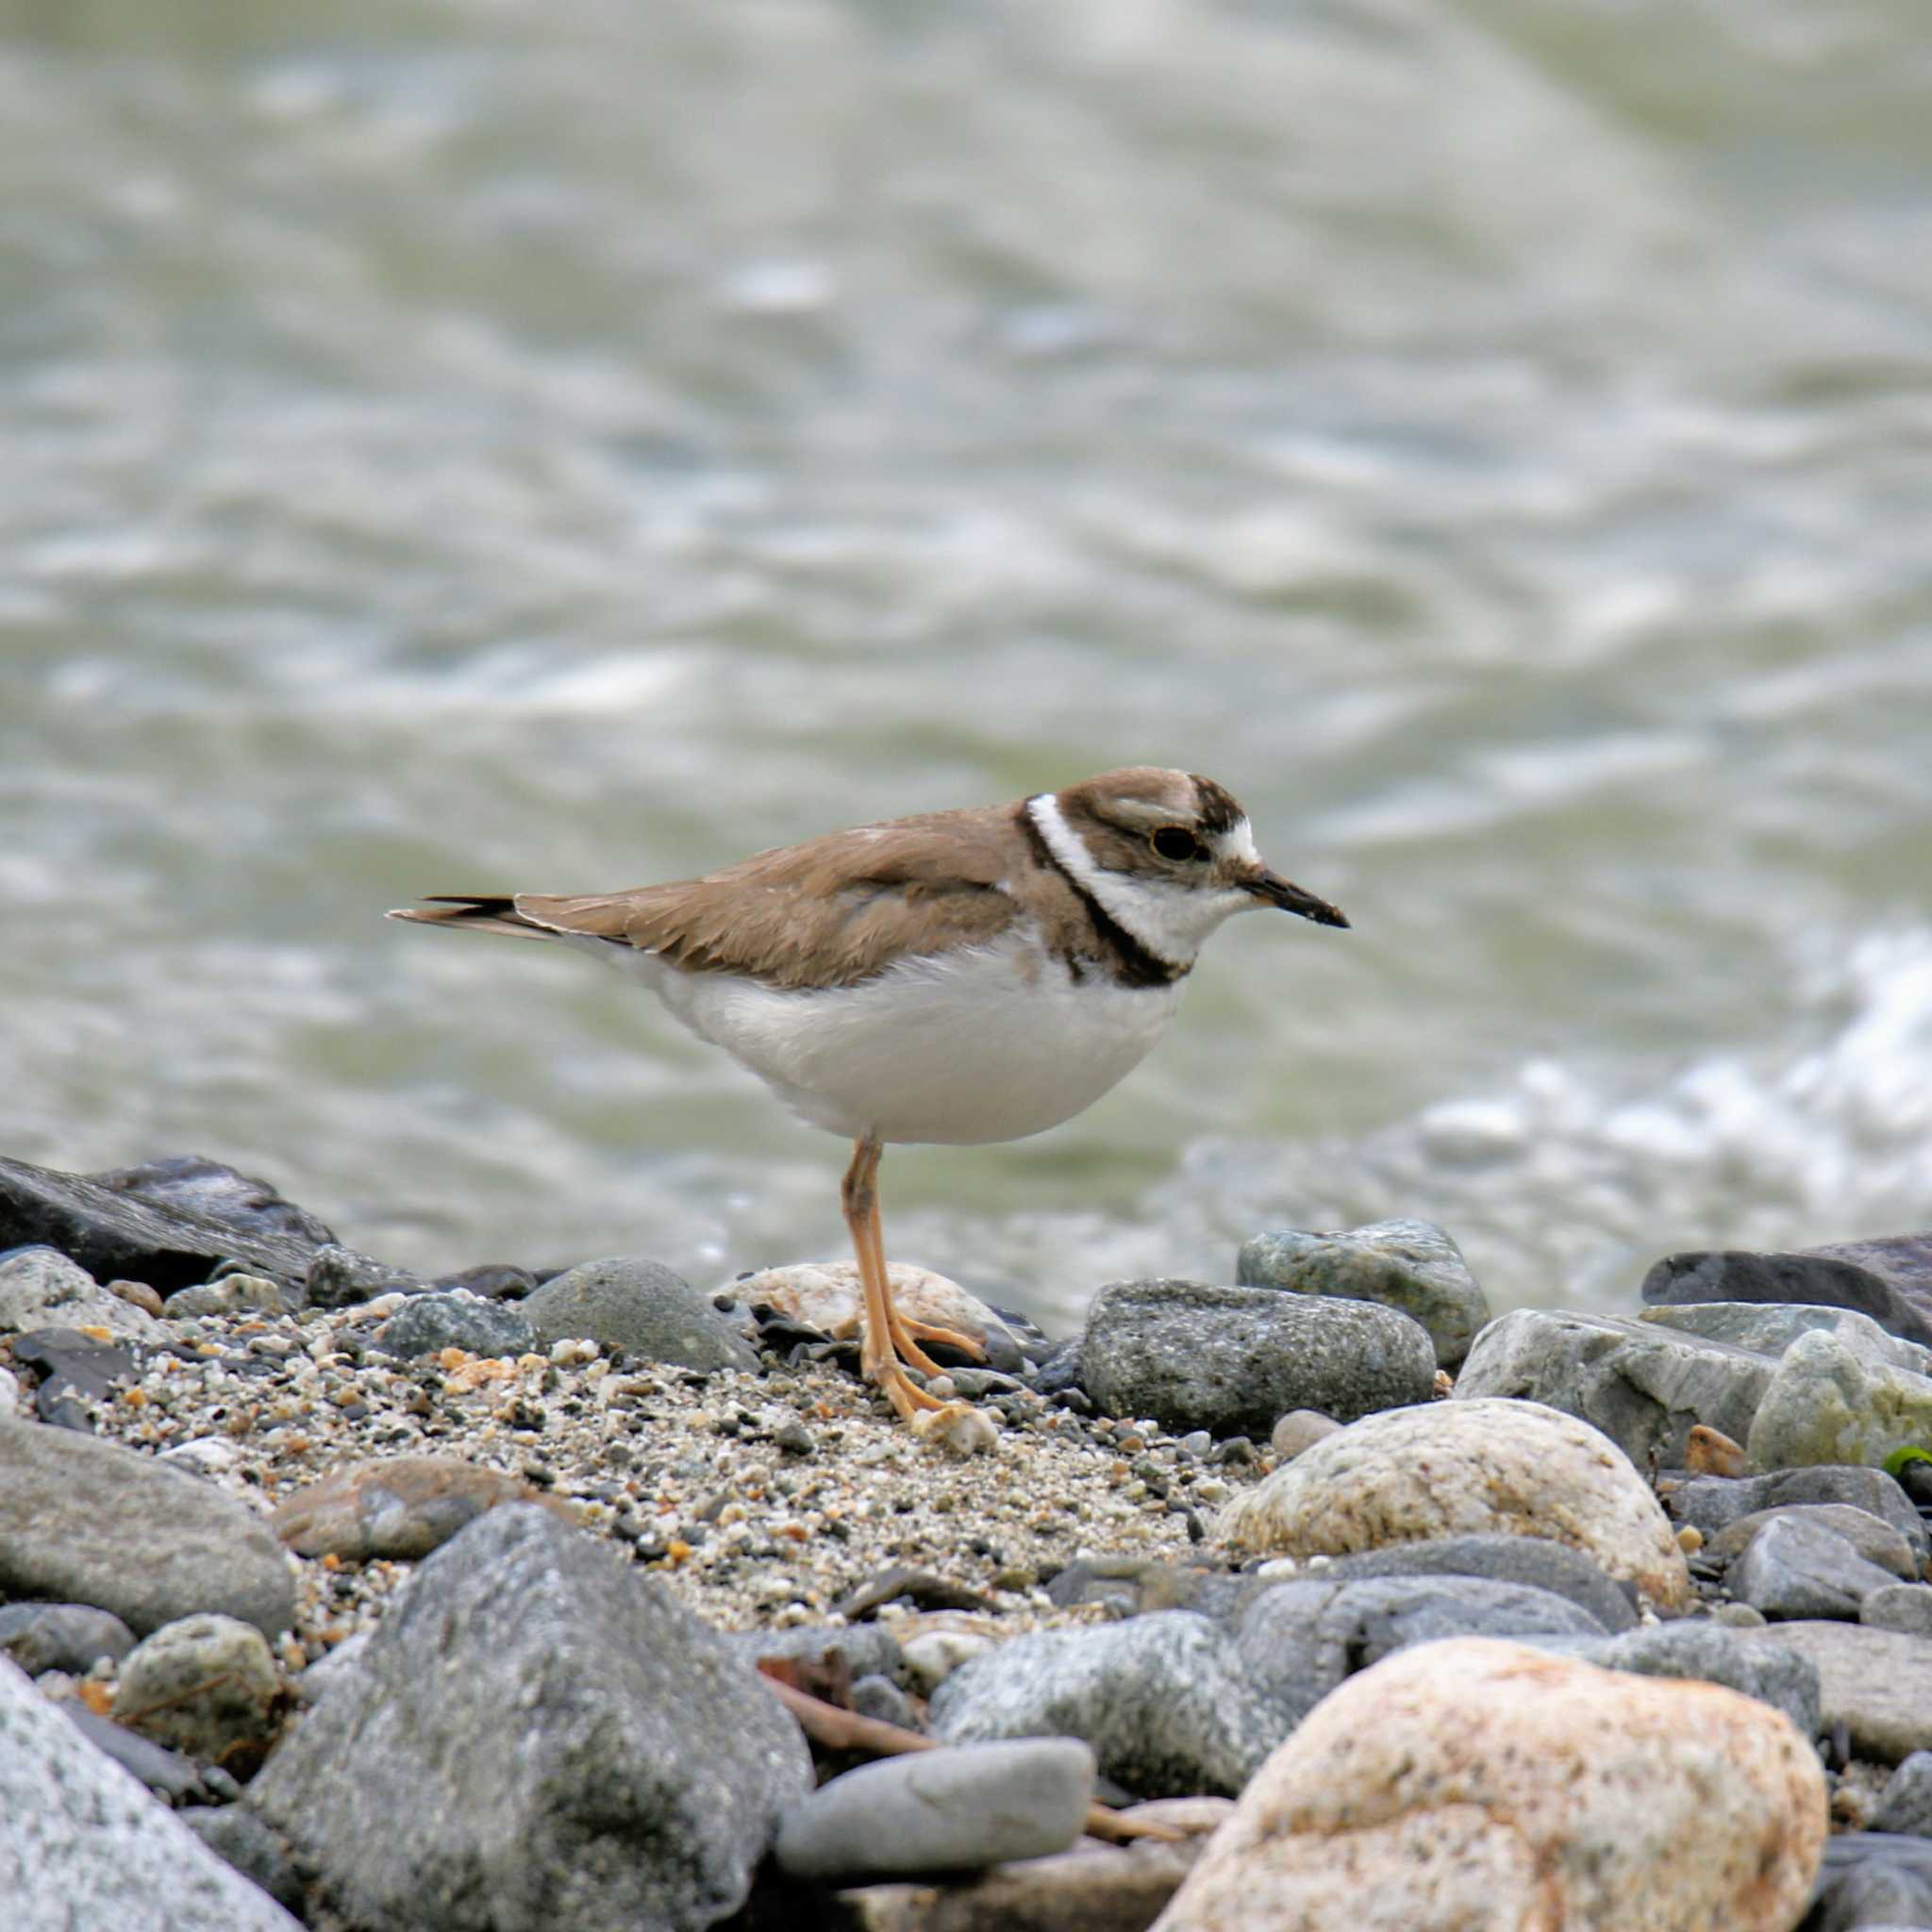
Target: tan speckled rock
[1479,1783]
[1487,1466]
[396,1507]
[826,1295]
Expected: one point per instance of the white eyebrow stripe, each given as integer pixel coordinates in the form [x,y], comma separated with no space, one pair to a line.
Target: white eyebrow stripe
[1116,896]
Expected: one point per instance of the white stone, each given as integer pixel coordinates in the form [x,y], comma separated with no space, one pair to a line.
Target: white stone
[1481,1467]
[1480,1782]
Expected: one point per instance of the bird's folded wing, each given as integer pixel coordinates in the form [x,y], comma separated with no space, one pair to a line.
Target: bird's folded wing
[832,912]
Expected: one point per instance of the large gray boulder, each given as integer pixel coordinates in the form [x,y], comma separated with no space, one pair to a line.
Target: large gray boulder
[536,1736]
[83,1845]
[87,1522]
[1234,1359]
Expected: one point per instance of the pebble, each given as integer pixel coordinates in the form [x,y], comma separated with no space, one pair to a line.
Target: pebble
[40,1288]
[1903,1607]
[640,1306]
[1905,1804]
[429,1323]
[397,1507]
[1413,1266]
[958,1809]
[1299,1429]
[1795,1566]
[1191,1356]
[206,1686]
[61,1637]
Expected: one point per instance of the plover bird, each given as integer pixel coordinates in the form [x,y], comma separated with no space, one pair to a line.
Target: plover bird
[960,976]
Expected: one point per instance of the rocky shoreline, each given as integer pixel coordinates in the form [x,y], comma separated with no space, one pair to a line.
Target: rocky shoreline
[339,1597]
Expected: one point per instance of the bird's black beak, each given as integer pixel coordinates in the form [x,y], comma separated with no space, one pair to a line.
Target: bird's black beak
[1274,890]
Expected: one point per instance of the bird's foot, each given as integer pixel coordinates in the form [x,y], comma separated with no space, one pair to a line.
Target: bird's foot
[907,1334]
[898,1388]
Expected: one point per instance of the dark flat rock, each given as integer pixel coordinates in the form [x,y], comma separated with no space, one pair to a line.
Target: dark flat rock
[112,1232]
[1890,1280]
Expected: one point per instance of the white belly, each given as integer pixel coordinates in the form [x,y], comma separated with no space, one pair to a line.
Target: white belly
[982,1045]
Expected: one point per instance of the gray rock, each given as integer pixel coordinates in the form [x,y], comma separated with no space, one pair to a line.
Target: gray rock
[1885,1279]
[111,1233]
[83,1845]
[1903,1607]
[234,1834]
[880,1699]
[1827,1404]
[1232,1359]
[1164,1700]
[91,1523]
[1795,1567]
[1413,1266]
[1876,1539]
[1642,1386]
[233,1294]
[427,1324]
[339,1277]
[1872,1881]
[43,1288]
[194,1184]
[959,1808]
[1299,1640]
[539,1736]
[1905,1804]
[77,1373]
[643,1308]
[1299,1429]
[1711,1503]
[61,1637]
[1771,1327]
[203,1685]
[172,1778]
[1876,1683]
[1708,1653]
[1530,1559]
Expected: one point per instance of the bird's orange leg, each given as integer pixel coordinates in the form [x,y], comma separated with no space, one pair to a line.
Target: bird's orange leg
[879,1352]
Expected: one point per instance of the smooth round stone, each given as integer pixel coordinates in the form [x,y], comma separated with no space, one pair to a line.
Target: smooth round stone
[1413,1266]
[429,1323]
[397,1507]
[61,1637]
[1906,1607]
[1478,1782]
[40,1288]
[202,1455]
[958,1809]
[643,1308]
[203,1685]
[1299,1429]
[1876,1539]
[83,1521]
[1461,1468]
[232,1294]
[1231,1361]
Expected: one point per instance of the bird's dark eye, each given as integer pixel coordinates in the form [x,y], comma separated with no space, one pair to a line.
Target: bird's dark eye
[1176,841]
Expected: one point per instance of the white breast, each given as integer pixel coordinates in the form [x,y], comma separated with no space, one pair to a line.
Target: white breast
[986,1045]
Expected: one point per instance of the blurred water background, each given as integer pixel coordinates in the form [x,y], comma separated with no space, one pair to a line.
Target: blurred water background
[458,444]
